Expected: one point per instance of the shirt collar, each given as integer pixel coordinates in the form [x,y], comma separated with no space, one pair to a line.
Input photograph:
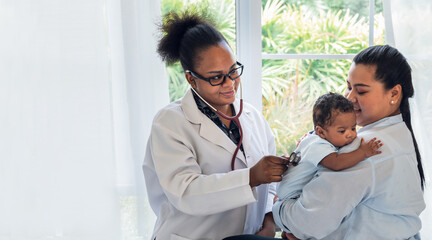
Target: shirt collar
[387,121]
[206,110]
[194,115]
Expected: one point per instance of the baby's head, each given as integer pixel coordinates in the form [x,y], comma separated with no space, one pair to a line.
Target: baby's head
[334,119]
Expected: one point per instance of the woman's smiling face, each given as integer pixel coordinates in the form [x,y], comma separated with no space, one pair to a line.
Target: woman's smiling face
[371,100]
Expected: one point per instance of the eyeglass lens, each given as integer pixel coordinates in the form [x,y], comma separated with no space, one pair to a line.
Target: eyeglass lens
[235,73]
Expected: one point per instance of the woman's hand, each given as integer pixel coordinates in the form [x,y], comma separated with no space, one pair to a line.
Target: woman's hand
[268,169]
[268,228]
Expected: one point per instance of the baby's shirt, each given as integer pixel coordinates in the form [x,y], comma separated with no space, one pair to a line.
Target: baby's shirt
[312,150]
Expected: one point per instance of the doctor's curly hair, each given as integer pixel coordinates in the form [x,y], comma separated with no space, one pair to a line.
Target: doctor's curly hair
[185,35]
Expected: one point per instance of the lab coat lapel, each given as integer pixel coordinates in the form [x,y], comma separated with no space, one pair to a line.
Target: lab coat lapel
[209,130]
[246,122]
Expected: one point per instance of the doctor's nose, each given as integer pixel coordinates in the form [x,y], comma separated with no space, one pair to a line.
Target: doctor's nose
[228,81]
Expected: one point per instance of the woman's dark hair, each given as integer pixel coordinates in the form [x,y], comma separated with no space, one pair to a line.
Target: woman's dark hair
[392,69]
[185,35]
[325,107]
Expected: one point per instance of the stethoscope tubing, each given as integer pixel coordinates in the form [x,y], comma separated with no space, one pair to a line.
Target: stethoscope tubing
[237,121]
[233,118]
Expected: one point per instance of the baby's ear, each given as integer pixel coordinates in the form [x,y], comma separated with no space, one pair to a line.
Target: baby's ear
[320,131]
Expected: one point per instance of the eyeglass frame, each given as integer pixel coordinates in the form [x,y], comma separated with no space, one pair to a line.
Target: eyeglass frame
[196,75]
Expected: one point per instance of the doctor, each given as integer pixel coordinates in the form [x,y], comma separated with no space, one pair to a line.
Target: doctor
[209,166]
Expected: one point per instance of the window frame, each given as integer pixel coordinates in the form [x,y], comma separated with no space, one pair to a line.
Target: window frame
[249,48]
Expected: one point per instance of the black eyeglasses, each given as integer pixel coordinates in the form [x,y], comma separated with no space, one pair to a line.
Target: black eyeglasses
[220,79]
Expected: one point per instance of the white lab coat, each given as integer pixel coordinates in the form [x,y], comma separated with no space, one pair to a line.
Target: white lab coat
[190,185]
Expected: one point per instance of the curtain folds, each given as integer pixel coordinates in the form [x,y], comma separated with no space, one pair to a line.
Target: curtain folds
[79,85]
[412,36]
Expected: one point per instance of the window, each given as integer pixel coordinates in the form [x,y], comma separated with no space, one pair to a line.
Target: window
[307,47]
[297,51]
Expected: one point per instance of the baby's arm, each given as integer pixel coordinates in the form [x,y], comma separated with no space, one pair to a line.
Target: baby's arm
[335,161]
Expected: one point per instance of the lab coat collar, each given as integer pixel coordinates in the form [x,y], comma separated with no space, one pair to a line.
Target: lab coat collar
[210,131]
[388,121]
[194,115]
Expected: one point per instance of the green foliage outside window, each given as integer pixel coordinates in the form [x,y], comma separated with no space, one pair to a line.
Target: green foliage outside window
[290,87]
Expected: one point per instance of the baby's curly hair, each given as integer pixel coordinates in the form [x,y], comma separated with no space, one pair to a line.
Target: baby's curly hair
[328,106]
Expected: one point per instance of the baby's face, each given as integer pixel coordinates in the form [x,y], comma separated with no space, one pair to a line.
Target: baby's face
[343,129]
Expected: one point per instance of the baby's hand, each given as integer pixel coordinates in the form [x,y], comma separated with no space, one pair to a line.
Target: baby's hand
[371,148]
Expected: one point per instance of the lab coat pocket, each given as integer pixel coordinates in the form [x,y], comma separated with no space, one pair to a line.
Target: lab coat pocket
[177,237]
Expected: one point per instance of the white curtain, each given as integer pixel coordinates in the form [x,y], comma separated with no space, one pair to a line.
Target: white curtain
[79,85]
[412,36]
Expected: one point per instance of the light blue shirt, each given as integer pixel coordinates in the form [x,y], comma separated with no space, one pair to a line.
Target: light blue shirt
[379,198]
[312,150]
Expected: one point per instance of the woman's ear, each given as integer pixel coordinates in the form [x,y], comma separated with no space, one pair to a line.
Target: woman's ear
[320,132]
[396,94]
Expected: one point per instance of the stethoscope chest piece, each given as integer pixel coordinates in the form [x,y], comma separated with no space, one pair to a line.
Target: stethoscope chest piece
[294,158]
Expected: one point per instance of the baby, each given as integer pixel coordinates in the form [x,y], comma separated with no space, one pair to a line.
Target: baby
[333,144]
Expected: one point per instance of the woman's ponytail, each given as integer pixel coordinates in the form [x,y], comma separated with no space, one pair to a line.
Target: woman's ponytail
[406,116]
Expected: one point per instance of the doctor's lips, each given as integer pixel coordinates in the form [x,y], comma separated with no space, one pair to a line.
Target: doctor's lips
[229,93]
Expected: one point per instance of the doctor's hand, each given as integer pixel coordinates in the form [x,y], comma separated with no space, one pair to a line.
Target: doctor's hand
[268,169]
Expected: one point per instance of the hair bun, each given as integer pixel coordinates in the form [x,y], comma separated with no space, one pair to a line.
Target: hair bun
[174,27]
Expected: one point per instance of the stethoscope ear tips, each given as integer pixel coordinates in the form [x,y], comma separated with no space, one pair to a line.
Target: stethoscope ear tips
[294,159]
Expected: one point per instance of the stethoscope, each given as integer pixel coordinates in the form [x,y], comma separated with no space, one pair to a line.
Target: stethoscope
[234,118]
[294,157]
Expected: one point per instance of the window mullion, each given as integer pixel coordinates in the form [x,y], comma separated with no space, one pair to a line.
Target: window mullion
[371,21]
[248,30]
[389,34]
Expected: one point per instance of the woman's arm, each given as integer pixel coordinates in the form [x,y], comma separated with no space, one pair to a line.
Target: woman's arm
[326,201]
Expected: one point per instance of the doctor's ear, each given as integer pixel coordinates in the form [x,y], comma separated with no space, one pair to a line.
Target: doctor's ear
[190,79]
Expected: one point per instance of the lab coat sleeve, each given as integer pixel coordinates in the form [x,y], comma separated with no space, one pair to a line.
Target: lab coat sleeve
[272,151]
[325,201]
[183,183]
[271,197]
